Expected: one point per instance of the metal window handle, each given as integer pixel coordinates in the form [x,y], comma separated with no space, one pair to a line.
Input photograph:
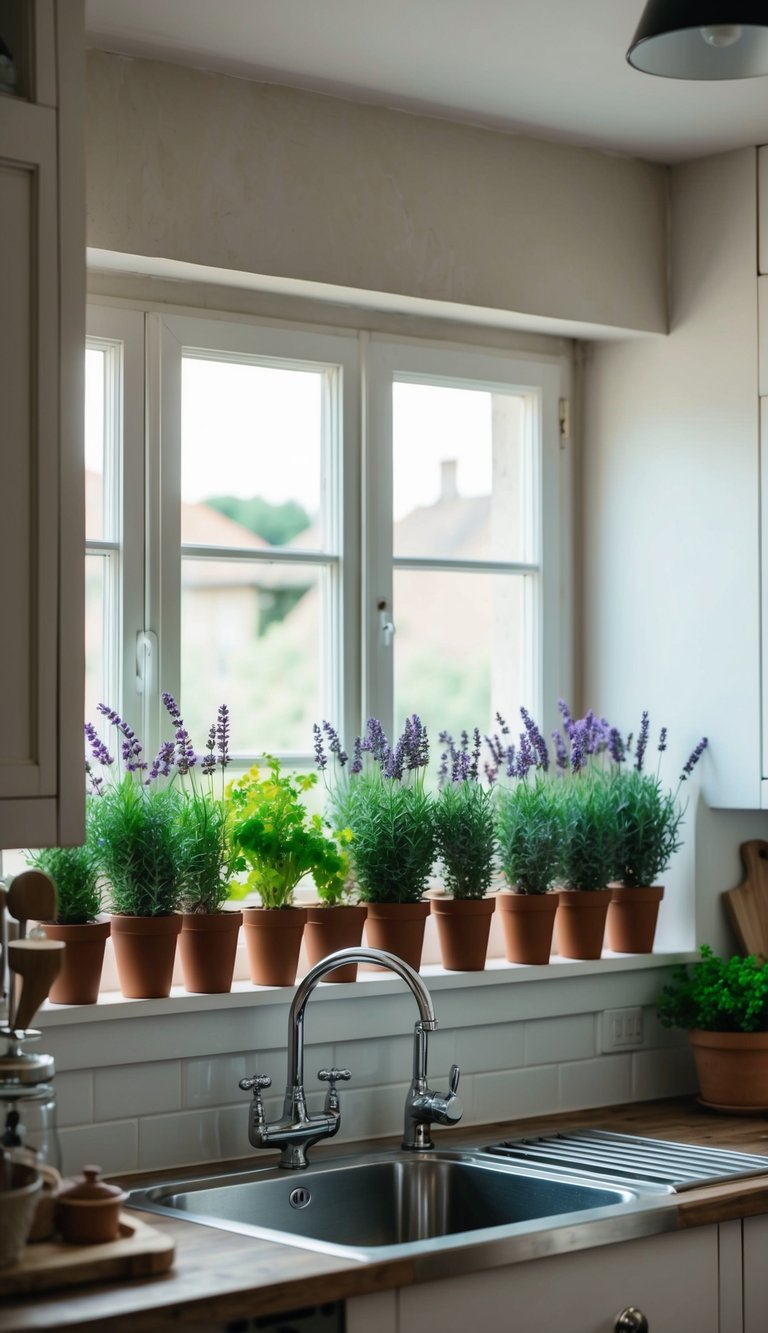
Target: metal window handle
[386,624]
[631,1320]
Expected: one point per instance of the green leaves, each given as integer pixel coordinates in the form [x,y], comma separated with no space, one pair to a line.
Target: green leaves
[530,830]
[647,824]
[589,833]
[717,995]
[393,843]
[135,837]
[75,872]
[465,837]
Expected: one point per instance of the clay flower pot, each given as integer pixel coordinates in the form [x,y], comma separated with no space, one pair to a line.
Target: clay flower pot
[732,1068]
[273,940]
[398,928]
[632,915]
[581,917]
[79,976]
[463,927]
[207,947]
[332,928]
[527,922]
[145,950]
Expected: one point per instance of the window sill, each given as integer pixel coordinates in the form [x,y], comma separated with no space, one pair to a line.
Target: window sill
[615,970]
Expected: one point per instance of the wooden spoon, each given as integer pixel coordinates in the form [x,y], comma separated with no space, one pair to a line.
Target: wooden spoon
[32,897]
[36,962]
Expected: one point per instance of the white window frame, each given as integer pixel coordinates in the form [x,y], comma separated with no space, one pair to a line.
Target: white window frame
[544,383]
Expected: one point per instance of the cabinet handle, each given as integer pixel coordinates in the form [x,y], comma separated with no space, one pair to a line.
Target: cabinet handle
[631,1320]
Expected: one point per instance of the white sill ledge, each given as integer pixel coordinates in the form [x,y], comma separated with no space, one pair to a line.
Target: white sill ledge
[112,1005]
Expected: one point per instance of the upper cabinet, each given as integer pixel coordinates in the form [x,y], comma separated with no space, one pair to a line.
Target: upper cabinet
[42,336]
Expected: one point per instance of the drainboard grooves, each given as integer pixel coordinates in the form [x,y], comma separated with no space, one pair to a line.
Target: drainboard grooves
[626,1157]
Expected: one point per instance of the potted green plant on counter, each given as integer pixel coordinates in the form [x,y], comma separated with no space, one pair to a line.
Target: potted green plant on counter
[529,820]
[134,831]
[281,843]
[648,820]
[76,875]
[381,797]
[336,921]
[723,1006]
[465,844]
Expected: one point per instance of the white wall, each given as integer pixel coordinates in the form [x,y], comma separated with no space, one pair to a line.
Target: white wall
[198,167]
[670,528]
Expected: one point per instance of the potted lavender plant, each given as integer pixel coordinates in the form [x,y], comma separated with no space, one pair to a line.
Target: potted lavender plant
[382,799]
[336,921]
[529,829]
[465,842]
[648,820]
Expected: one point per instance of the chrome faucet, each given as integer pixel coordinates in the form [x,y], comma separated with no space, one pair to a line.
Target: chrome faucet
[297,1130]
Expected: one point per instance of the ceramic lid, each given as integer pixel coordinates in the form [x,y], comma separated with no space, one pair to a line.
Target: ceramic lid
[90,1189]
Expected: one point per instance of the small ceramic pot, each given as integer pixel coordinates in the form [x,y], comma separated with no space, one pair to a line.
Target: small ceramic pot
[17,1210]
[89,1209]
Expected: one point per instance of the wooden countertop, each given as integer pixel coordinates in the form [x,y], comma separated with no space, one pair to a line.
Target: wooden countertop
[220,1276]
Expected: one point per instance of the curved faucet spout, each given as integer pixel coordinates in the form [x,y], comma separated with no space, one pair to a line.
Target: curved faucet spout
[334,960]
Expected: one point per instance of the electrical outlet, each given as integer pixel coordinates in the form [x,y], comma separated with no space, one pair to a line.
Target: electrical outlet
[622,1029]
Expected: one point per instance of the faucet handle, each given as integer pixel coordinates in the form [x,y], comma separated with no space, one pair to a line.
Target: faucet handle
[256,1083]
[334,1076]
[453,1078]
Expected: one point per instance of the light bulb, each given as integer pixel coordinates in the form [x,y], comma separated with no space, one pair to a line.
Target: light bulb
[722,34]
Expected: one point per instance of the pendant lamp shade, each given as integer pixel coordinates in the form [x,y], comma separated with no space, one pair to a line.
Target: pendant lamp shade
[702,39]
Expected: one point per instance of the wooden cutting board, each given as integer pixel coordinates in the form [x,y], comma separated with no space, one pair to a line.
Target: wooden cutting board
[139,1251]
[747,905]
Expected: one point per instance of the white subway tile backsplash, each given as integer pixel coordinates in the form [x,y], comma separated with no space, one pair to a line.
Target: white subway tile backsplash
[371,1112]
[551,1040]
[113,1147]
[667,1073]
[137,1089]
[485,1049]
[179,1140]
[74,1098]
[601,1082]
[514,1093]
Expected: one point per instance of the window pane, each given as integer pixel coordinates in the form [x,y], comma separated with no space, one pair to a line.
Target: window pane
[462,479]
[251,455]
[251,638]
[94,442]
[96,583]
[460,648]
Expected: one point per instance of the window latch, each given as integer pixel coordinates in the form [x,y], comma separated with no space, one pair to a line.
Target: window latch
[146,661]
[386,624]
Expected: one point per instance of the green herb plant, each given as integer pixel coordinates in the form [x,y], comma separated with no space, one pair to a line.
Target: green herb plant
[648,820]
[529,824]
[589,835]
[717,995]
[75,872]
[393,838]
[135,832]
[465,830]
[280,841]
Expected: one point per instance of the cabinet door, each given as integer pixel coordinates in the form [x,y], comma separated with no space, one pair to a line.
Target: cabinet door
[755,1241]
[672,1279]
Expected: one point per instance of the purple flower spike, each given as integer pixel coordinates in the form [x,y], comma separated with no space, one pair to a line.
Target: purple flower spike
[99,750]
[663,739]
[320,759]
[642,741]
[616,746]
[578,752]
[502,725]
[222,735]
[694,758]
[536,739]
[357,756]
[568,722]
[163,761]
[334,744]
[374,741]
[561,752]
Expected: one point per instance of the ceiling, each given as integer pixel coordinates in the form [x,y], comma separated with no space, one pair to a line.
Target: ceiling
[553,69]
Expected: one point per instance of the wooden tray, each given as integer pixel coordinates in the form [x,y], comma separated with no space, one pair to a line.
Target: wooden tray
[140,1251]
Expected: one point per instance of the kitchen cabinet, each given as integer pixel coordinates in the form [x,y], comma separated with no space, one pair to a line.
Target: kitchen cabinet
[42,334]
[672,1279]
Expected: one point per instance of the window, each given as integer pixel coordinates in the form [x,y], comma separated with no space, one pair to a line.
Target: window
[308,524]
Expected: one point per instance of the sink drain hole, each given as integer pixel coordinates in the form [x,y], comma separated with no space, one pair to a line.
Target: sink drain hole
[299,1198]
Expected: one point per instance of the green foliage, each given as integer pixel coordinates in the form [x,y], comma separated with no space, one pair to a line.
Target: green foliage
[393,838]
[589,835]
[717,995]
[647,824]
[135,829]
[465,837]
[280,840]
[276,523]
[529,821]
[203,848]
[75,872]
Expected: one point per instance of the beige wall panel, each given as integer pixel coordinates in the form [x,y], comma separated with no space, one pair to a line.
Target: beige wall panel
[193,166]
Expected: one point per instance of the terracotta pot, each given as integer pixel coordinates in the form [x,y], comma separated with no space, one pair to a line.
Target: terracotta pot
[79,976]
[273,940]
[733,1070]
[398,928]
[145,949]
[527,922]
[207,946]
[332,928]
[581,917]
[463,927]
[632,916]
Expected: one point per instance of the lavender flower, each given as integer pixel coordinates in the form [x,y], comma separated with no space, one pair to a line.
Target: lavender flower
[495,747]
[502,725]
[510,761]
[185,751]
[99,750]
[568,722]
[578,751]
[163,761]
[334,744]
[694,758]
[320,759]
[208,762]
[416,743]
[131,746]
[525,756]
[536,739]
[616,746]
[561,751]
[222,735]
[374,741]
[475,760]
[663,739]
[357,756]
[642,741]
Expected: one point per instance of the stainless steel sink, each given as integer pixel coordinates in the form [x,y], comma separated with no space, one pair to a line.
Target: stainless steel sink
[387,1205]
